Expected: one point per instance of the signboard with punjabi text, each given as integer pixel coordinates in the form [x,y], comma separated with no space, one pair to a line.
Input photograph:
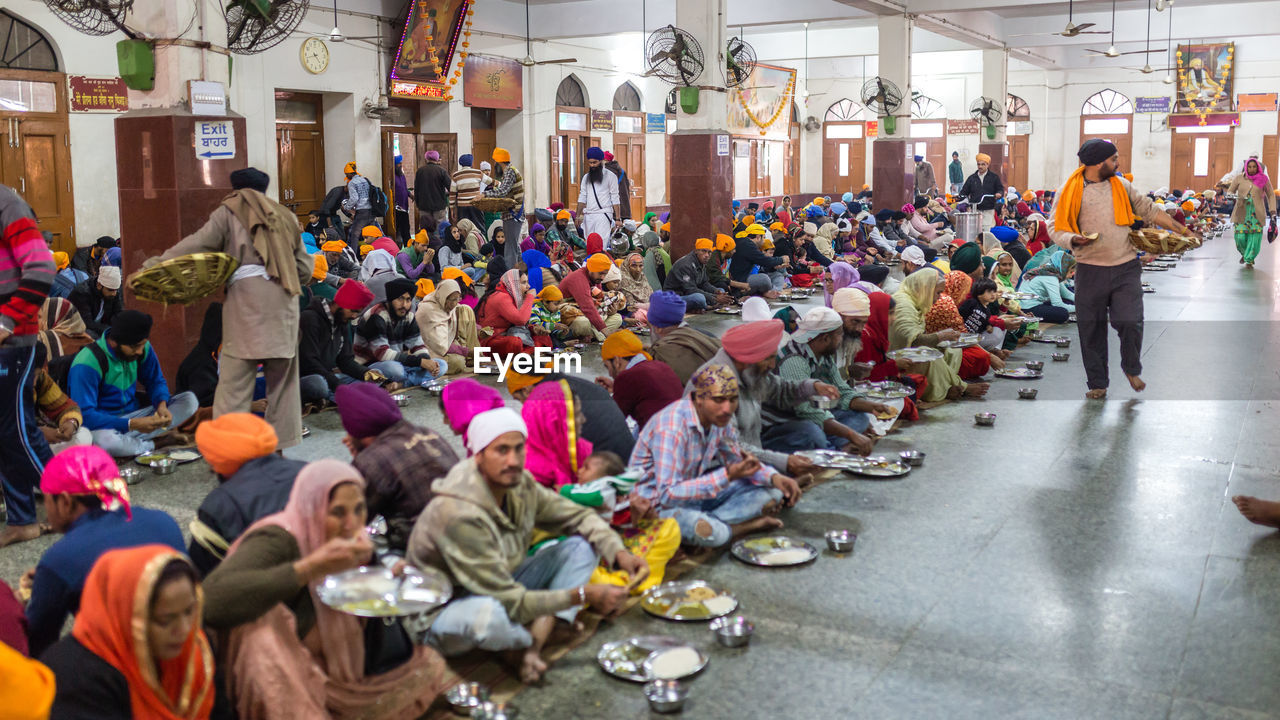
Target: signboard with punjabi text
[94,94]
[215,140]
[602,120]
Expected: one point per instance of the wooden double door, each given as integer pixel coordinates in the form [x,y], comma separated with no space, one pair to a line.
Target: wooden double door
[628,150]
[844,157]
[1015,164]
[1198,160]
[413,148]
[35,150]
[300,152]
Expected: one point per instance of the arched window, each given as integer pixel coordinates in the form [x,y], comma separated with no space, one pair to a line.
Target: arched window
[626,98]
[843,110]
[1016,108]
[1107,102]
[925,107]
[23,47]
[571,93]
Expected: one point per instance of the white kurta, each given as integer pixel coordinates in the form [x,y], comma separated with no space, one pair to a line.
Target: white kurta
[598,200]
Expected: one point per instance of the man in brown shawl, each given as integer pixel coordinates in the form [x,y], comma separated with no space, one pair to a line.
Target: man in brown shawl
[260,313]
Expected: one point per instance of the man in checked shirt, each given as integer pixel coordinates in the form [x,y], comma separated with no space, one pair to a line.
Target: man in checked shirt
[693,469]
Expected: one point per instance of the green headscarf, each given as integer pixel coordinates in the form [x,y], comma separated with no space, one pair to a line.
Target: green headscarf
[967,258]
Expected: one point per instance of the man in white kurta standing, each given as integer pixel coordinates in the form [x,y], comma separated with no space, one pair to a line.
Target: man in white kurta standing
[598,202]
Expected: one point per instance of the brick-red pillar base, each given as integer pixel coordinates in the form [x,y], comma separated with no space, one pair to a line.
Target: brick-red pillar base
[701,189]
[892,174]
[167,193]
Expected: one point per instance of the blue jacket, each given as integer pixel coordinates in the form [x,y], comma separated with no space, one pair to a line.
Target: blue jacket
[106,397]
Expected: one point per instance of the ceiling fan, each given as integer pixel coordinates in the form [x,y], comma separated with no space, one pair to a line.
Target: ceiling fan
[335,35]
[1111,50]
[528,60]
[1072,30]
[1162,4]
[1147,69]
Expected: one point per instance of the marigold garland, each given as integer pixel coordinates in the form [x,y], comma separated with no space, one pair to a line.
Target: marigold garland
[783,104]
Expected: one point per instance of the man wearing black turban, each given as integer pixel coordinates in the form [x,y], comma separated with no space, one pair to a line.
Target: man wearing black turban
[260,314]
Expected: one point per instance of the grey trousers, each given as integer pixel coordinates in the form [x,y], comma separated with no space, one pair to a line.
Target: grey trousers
[511,228]
[236,380]
[1114,292]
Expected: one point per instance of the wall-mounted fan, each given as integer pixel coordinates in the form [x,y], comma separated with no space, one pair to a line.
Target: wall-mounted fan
[740,61]
[92,17]
[811,124]
[987,112]
[256,25]
[673,55]
[884,98]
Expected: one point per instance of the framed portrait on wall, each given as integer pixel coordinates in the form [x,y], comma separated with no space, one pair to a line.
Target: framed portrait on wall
[1206,78]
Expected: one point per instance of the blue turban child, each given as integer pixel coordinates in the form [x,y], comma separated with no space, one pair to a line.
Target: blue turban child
[535,260]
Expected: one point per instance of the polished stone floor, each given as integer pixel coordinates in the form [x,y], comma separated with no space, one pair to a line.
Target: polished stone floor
[1078,560]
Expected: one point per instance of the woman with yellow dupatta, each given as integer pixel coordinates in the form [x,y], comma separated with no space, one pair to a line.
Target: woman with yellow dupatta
[136,650]
[558,457]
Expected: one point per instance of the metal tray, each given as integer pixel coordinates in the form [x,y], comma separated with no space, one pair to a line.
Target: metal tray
[670,601]
[1018,296]
[915,354]
[884,390]
[876,466]
[966,340]
[626,658]
[728,310]
[1020,373]
[774,551]
[1148,289]
[373,592]
[1051,339]
[1152,268]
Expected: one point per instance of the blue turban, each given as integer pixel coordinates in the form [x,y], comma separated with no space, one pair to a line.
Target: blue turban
[666,309]
[309,241]
[847,197]
[399,159]
[919,158]
[535,260]
[465,160]
[737,204]
[1004,233]
[595,153]
[814,212]
[838,208]
[112,257]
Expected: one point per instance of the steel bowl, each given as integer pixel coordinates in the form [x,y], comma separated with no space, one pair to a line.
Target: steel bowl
[734,630]
[164,466]
[665,696]
[131,475]
[1061,357]
[841,541]
[465,697]
[822,402]
[914,458]
[1065,342]
[985,419]
[306,431]
[489,710]
[1035,334]
[1027,393]
[401,399]
[1034,364]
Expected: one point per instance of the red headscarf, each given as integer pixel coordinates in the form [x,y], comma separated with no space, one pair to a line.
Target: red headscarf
[875,338]
[115,608]
[595,244]
[1042,239]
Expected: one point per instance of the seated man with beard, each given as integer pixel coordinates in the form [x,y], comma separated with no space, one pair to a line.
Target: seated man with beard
[813,353]
[388,339]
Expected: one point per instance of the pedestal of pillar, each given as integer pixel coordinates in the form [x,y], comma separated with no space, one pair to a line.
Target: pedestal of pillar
[998,152]
[701,189]
[167,193]
[892,174]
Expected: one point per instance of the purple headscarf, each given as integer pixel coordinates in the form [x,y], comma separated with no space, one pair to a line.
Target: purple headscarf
[843,275]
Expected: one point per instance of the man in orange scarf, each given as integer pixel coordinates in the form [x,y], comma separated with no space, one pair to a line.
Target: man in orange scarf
[1092,219]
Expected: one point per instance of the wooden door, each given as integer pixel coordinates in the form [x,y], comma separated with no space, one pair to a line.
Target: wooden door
[791,159]
[46,178]
[1122,140]
[444,143]
[300,152]
[482,144]
[1015,173]
[1199,160]
[571,162]
[556,153]
[1271,153]
[628,150]
[844,157]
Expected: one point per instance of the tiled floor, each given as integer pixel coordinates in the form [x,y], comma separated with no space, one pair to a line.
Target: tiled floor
[1078,560]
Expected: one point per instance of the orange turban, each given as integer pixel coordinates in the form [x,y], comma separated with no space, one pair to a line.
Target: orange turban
[229,441]
[1029,196]
[349,168]
[778,227]
[599,263]
[334,246]
[453,273]
[425,287]
[501,155]
[724,243]
[62,260]
[622,344]
[517,381]
[704,244]
[819,201]
[564,215]
[365,250]
[321,269]
[551,293]
[666,227]
[982,157]
[371,231]
[1187,206]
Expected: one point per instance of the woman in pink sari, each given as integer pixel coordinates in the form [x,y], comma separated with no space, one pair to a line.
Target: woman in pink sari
[555,450]
[289,655]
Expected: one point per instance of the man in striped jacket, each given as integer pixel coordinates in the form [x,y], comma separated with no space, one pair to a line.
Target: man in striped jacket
[26,273]
[388,340]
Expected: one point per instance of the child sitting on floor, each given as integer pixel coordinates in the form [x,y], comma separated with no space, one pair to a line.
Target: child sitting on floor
[978,317]
[546,315]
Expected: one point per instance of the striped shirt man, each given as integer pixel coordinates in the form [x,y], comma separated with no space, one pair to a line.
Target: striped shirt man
[26,270]
[465,188]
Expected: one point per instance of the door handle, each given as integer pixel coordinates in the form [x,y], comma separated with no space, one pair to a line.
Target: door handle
[24,185]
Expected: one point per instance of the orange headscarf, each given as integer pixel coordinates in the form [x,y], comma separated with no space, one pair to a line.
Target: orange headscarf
[115,608]
[943,316]
[957,286]
[1066,216]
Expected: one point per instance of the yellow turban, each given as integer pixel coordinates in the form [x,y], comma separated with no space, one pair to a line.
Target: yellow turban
[425,287]
[26,686]
[1029,196]
[551,293]
[725,244]
[1187,206]
[371,231]
[62,259]
[422,237]
[517,381]
[599,263]
[740,234]
[755,229]
[229,441]
[748,218]
[778,227]
[622,344]
[666,227]
[334,246]
[321,268]
[982,157]
[501,155]
[866,186]
[767,244]
[349,168]
[819,201]
[564,215]
[453,273]
[704,244]
[365,250]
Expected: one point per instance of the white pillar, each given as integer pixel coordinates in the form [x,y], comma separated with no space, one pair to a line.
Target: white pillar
[895,66]
[176,64]
[705,21]
[995,85]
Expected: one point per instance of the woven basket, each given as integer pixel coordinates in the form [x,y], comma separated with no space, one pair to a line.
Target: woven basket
[493,204]
[1161,242]
[183,280]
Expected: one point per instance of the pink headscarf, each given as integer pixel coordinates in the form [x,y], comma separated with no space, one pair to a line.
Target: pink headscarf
[1259,178]
[87,470]
[465,398]
[386,243]
[555,450]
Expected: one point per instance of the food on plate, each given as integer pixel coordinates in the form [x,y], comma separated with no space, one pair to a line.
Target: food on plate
[674,663]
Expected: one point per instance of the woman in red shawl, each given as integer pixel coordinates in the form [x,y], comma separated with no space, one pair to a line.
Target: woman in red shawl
[504,312]
[1041,239]
[875,343]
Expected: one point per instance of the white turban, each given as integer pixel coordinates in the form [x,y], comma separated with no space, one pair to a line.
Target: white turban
[817,321]
[491,425]
[851,302]
[810,228]
[913,255]
[613,274]
[754,309]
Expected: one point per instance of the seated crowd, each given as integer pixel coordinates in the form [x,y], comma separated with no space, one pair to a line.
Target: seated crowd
[579,499]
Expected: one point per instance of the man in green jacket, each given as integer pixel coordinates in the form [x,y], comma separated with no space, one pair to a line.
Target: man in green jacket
[955,173]
[477,530]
